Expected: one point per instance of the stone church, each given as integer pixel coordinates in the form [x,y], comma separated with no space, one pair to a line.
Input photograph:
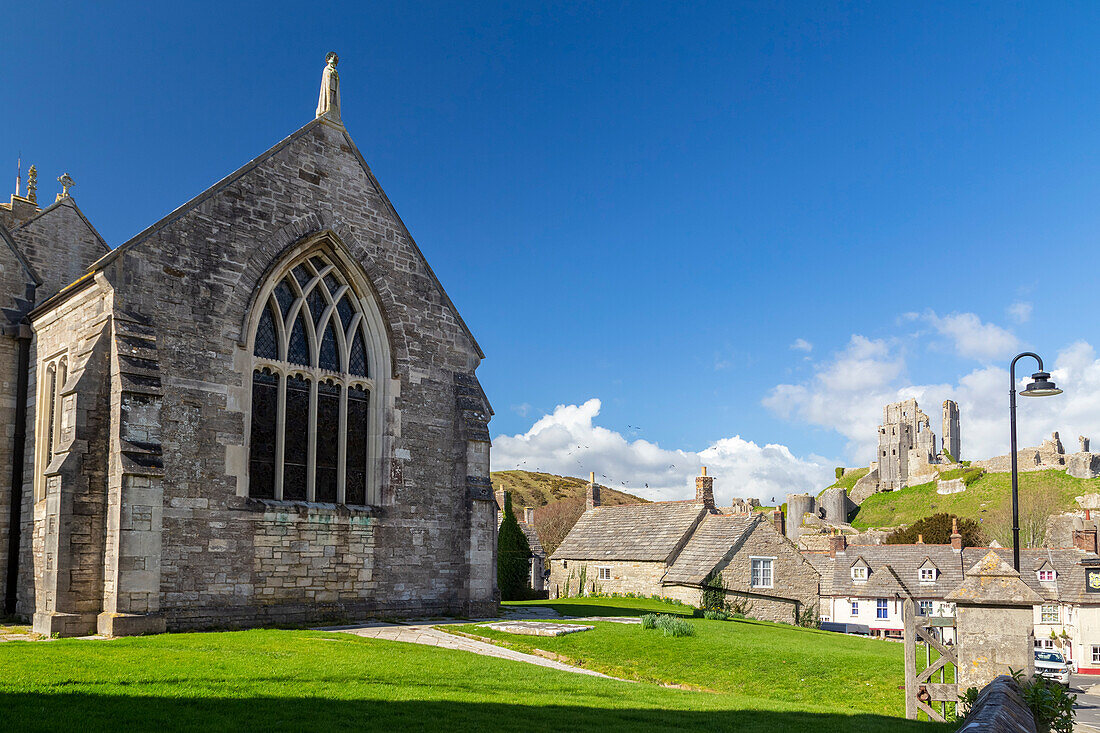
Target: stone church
[261,409]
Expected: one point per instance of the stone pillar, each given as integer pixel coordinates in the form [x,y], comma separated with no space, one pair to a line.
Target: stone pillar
[472,433]
[704,490]
[135,494]
[592,494]
[798,505]
[995,622]
[1084,443]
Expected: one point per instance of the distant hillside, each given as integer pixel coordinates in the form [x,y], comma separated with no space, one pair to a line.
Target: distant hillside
[986,500]
[539,489]
[558,501]
[848,480]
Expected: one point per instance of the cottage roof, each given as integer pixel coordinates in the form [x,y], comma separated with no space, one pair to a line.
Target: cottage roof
[906,560]
[532,539]
[715,538]
[650,532]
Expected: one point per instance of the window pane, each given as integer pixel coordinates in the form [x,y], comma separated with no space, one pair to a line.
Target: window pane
[358,361]
[296,447]
[265,406]
[355,491]
[345,311]
[332,283]
[328,440]
[51,400]
[316,306]
[330,356]
[302,275]
[267,343]
[285,295]
[299,344]
[318,263]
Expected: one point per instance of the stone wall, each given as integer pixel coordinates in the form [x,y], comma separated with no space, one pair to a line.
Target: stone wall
[796,585]
[60,245]
[1000,708]
[642,578]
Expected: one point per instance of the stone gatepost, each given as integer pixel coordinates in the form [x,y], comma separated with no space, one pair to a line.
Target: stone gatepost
[994,623]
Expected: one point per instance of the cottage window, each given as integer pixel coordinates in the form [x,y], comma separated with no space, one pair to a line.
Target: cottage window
[1046,576]
[315,417]
[881,608]
[761,572]
[859,573]
[926,608]
[1049,613]
[1096,653]
[855,608]
[605,573]
[927,575]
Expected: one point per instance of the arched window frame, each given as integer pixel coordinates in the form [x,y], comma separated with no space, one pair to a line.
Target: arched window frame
[48,418]
[366,320]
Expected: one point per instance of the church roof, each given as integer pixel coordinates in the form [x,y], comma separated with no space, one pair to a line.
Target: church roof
[70,203]
[644,532]
[221,185]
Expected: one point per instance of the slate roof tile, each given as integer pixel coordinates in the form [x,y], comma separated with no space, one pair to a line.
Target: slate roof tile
[647,532]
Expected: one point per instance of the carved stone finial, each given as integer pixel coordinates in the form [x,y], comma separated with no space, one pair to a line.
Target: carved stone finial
[32,185]
[66,182]
[328,103]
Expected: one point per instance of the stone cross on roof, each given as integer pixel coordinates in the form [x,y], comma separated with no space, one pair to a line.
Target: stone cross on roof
[66,182]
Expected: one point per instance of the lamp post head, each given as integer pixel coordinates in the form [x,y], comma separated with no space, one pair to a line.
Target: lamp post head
[1040,386]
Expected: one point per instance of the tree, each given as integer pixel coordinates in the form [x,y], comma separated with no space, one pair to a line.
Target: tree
[553,522]
[936,530]
[513,556]
[1037,505]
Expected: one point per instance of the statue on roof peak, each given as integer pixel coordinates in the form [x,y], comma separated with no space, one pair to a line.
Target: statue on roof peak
[328,103]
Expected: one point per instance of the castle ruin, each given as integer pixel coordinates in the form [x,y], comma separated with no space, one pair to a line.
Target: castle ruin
[907,445]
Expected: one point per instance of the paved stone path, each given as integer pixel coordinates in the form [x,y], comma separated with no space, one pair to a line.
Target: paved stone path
[425,634]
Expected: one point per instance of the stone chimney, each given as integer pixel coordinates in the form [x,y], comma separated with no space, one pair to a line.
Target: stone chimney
[956,538]
[1085,539]
[838,544]
[500,494]
[529,515]
[777,521]
[704,490]
[592,496]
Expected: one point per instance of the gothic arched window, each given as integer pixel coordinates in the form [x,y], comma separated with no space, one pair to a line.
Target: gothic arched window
[312,433]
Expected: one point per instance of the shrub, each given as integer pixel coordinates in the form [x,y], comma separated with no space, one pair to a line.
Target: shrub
[936,530]
[649,621]
[839,472]
[513,556]
[675,626]
[714,592]
[1050,703]
[711,615]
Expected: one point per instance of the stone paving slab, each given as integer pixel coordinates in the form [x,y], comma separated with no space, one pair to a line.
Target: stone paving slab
[536,628]
[426,635]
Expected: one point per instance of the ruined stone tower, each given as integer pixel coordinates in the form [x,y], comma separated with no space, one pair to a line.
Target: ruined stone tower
[906,444]
[951,441]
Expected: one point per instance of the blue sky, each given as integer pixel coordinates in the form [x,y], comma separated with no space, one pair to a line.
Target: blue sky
[650,204]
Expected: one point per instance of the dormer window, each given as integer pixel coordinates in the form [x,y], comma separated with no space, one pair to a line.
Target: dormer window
[1046,576]
[859,573]
[927,575]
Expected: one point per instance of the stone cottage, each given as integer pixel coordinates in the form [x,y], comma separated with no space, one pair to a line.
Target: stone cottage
[675,549]
[261,409]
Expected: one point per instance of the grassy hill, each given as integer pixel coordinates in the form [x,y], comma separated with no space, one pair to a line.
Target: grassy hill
[848,480]
[982,498]
[539,489]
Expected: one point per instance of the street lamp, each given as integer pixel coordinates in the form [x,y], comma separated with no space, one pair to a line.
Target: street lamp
[1040,386]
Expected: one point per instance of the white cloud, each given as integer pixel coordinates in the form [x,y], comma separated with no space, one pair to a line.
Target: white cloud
[802,345]
[847,395]
[568,442]
[1020,311]
[972,338]
[522,410]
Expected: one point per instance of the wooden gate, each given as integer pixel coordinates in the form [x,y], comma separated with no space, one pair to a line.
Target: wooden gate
[921,691]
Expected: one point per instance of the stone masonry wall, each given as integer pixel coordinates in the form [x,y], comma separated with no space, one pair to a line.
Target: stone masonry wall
[60,245]
[795,583]
[193,279]
[643,578]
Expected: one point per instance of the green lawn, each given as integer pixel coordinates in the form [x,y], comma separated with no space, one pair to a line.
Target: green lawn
[773,664]
[892,508]
[848,480]
[607,606]
[267,680]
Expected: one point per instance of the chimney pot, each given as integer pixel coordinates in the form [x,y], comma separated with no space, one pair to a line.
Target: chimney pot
[920,539]
[704,490]
[592,495]
[1085,539]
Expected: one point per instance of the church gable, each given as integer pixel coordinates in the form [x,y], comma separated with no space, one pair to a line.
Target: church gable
[17,281]
[60,244]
